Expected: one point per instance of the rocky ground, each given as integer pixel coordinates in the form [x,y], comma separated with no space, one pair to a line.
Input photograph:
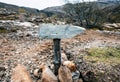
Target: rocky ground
[25,47]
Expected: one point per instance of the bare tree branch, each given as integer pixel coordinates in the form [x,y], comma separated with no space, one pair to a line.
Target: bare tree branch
[84,14]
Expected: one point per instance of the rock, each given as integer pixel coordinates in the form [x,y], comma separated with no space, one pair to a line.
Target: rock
[47,74]
[52,66]
[2,72]
[70,65]
[64,74]
[39,80]
[36,72]
[75,76]
[80,80]
[90,77]
[5,40]
[26,24]
[111,26]
[2,68]
[63,57]
[5,12]
[20,74]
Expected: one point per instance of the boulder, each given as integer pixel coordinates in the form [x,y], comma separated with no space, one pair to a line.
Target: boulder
[64,74]
[26,24]
[70,65]
[20,74]
[36,72]
[47,74]
[63,57]
[112,26]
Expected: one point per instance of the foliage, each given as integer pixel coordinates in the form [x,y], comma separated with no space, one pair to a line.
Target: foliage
[3,30]
[21,10]
[86,14]
[114,14]
[43,15]
[107,55]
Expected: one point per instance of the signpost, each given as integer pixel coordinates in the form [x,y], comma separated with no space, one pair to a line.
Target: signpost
[58,32]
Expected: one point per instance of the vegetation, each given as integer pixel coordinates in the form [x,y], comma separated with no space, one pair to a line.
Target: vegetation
[92,14]
[21,10]
[3,30]
[86,14]
[106,55]
[114,14]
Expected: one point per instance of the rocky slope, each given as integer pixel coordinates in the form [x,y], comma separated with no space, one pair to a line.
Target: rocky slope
[20,44]
[15,8]
[25,47]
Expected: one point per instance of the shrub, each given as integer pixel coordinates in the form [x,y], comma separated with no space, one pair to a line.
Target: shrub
[3,30]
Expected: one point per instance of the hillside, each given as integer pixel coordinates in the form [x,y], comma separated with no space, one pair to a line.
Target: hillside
[54,9]
[8,9]
[26,48]
[95,53]
[108,1]
[14,8]
[58,10]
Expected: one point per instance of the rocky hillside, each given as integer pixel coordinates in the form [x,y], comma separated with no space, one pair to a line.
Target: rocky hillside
[55,9]
[8,9]
[13,8]
[24,46]
[11,12]
[95,53]
[108,1]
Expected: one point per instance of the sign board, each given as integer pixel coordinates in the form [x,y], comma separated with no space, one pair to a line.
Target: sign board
[51,31]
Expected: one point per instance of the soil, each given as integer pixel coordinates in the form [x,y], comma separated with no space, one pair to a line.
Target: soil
[31,51]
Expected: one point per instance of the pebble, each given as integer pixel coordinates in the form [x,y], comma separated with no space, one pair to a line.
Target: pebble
[36,72]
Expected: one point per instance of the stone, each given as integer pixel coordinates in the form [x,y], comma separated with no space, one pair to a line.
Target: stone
[75,76]
[20,74]
[26,24]
[39,80]
[2,68]
[36,72]
[114,25]
[47,74]
[52,66]
[80,80]
[63,57]
[70,65]
[64,74]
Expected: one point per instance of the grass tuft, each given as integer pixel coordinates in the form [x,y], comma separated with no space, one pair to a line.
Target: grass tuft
[106,55]
[3,30]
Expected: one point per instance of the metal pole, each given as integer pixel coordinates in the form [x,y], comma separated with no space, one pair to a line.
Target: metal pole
[57,55]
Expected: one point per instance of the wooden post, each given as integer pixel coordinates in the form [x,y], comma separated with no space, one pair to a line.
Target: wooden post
[57,55]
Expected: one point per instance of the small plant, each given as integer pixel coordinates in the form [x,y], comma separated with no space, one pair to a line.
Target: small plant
[107,55]
[3,30]
[13,29]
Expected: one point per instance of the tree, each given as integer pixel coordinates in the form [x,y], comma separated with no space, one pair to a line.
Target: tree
[86,14]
